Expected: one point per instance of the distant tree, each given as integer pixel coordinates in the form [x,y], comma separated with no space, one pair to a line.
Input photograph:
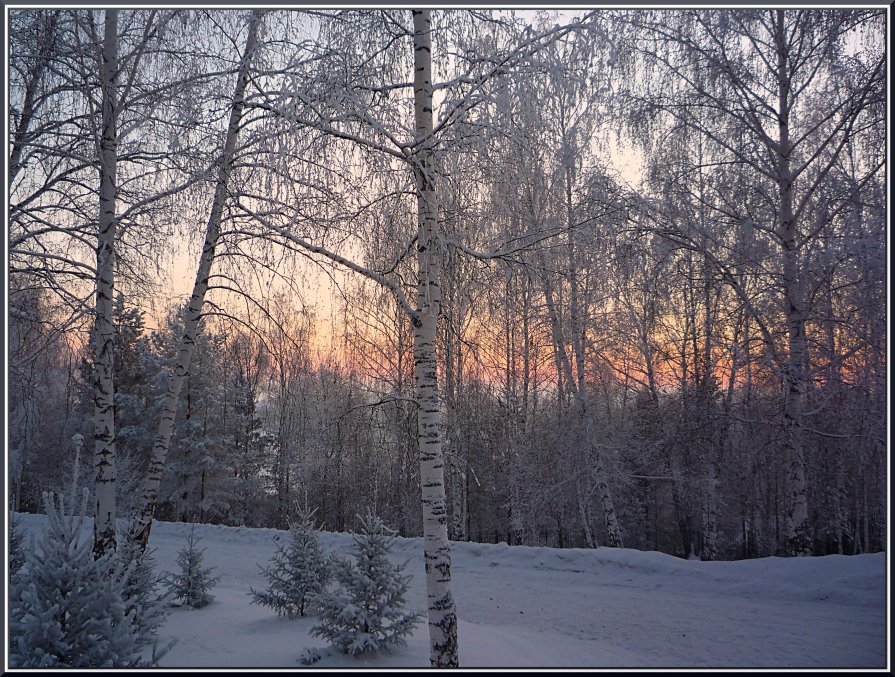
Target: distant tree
[136,406]
[44,392]
[284,410]
[250,447]
[365,612]
[194,485]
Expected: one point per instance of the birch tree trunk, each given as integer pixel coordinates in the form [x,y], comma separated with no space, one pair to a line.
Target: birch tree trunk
[796,522]
[194,311]
[610,517]
[563,367]
[452,445]
[442,614]
[104,330]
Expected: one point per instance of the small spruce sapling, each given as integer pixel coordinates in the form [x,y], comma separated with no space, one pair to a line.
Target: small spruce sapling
[68,609]
[365,612]
[193,584]
[296,573]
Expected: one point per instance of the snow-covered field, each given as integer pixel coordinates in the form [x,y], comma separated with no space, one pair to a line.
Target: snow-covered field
[542,607]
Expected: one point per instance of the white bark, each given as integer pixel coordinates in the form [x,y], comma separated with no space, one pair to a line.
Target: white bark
[610,518]
[104,331]
[583,515]
[197,299]
[442,614]
[793,446]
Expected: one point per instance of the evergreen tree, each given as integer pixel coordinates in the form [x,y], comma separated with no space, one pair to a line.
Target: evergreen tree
[16,549]
[365,612]
[136,406]
[250,447]
[196,485]
[140,587]
[297,572]
[68,609]
[193,584]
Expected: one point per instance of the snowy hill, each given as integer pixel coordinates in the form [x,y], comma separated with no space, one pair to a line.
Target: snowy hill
[542,607]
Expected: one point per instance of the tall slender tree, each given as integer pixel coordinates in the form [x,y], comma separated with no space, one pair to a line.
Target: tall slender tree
[352,109]
[200,288]
[104,526]
[442,615]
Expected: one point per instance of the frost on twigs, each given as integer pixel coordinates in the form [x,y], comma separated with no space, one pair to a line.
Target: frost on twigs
[364,613]
[297,571]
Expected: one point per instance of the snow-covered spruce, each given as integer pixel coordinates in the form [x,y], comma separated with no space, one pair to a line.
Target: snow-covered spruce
[310,656]
[364,613]
[142,591]
[16,549]
[68,609]
[193,584]
[297,571]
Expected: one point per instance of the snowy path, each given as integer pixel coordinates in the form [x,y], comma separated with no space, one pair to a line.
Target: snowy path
[538,607]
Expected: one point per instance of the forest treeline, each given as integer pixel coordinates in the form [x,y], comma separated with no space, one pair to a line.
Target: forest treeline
[694,364]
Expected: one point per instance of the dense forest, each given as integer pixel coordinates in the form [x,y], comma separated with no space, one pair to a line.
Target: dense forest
[611,279]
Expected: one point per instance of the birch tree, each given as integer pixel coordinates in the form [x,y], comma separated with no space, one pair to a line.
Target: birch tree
[104,526]
[550,180]
[47,150]
[87,110]
[442,615]
[162,442]
[340,111]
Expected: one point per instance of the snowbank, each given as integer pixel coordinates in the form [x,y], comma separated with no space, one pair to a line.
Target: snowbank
[542,607]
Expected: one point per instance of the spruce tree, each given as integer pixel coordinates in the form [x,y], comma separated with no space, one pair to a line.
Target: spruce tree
[16,548]
[365,612]
[140,588]
[193,584]
[297,571]
[68,609]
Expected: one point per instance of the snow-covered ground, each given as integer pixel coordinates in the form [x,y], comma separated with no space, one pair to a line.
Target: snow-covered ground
[542,607]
